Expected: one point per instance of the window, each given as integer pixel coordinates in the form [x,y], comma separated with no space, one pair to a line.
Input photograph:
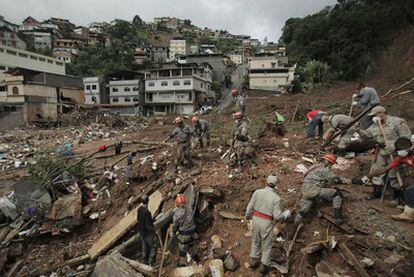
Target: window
[33,57]
[11,52]
[88,87]
[42,60]
[187,83]
[15,90]
[151,84]
[22,55]
[135,89]
[164,83]
[127,89]
[114,89]
[127,99]
[149,97]
[176,83]
[115,100]
[94,87]
[135,99]
[201,85]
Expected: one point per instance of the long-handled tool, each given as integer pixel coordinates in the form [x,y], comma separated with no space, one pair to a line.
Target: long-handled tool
[399,179]
[352,107]
[164,250]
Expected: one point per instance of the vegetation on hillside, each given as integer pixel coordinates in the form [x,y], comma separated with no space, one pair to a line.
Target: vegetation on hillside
[118,55]
[348,36]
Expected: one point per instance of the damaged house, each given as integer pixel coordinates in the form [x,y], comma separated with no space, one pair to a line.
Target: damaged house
[36,96]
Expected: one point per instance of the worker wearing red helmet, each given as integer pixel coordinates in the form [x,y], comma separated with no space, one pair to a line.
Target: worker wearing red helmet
[185,228]
[201,130]
[240,106]
[240,138]
[183,134]
[314,188]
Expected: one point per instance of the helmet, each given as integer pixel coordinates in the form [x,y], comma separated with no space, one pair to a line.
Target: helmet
[178,120]
[377,109]
[194,119]
[144,199]
[234,92]
[180,200]
[238,115]
[330,158]
[271,180]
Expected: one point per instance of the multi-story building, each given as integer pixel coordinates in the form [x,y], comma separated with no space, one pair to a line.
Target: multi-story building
[159,54]
[177,88]
[142,54]
[126,87]
[95,92]
[178,47]
[9,35]
[236,58]
[270,72]
[65,49]
[216,61]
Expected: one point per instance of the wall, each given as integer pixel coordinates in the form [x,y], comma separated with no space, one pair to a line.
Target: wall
[77,95]
[269,81]
[13,57]
[266,62]
[10,119]
[170,81]
[121,94]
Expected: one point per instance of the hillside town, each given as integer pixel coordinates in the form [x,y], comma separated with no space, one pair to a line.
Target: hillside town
[160,148]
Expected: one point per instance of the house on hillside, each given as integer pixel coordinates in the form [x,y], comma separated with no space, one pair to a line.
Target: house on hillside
[9,35]
[270,72]
[159,54]
[177,88]
[178,47]
[65,49]
[95,91]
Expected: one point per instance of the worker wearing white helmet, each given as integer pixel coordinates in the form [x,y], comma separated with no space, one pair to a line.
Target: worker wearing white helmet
[264,209]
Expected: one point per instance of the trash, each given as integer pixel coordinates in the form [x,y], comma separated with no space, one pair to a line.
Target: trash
[94,216]
[113,265]
[230,262]
[378,234]
[308,160]
[216,268]
[286,142]
[367,261]
[217,243]
[65,150]
[300,168]
[188,271]
[67,211]
[393,259]
[8,205]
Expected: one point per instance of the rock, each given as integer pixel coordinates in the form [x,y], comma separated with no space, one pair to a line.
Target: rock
[189,271]
[195,172]
[391,238]
[211,192]
[217,243]
[393,259]
[113,265]
[178,181]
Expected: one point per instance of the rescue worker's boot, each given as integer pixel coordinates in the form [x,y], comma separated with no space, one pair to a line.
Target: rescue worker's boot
[395,198]
[264,270]
[376,193]
[254,263]
[339,218]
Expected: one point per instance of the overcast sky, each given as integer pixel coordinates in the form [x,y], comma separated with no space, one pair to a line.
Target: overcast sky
[257,18]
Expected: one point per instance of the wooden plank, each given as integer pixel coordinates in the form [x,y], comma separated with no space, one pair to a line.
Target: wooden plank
[230,215]
[78,260]
[344,227]
[3,232]
[122,227]
[355,263]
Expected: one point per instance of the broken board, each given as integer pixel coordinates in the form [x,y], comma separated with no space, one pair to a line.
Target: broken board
[230,215]
[122,227]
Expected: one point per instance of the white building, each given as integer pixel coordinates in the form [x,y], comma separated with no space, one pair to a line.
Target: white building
[236,58]
[270,72]
[126,87]
[13,57]
[178,47]
[94,91]
[177,89]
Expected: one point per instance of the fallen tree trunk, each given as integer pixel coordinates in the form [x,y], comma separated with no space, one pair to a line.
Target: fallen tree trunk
[398,88]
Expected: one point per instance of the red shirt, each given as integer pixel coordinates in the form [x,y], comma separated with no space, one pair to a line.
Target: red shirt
[409,160]
[311,114]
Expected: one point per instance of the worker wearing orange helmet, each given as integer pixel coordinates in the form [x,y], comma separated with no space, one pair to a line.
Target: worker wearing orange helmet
[201,130]
[240,139]
[183,134]
[240,106]
[185,229]
[314,188]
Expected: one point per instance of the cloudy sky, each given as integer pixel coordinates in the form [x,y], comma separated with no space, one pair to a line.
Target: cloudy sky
[257,18]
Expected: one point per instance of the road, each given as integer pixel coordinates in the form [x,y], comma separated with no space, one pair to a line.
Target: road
[237,80]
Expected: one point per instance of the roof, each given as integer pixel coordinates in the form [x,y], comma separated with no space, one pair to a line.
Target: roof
[45,78]
[125,74]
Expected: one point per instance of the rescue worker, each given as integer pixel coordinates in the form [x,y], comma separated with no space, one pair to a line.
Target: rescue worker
[404,148]
[337,123]
[240,106]
[240,139]
[185,229]
[149,239]
[365,97]
[394,127]
[314,188]
[183,133]
[315,120]
[264,209]
[202,130]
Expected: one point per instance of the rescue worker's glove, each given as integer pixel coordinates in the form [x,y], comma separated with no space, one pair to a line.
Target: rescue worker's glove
[354,103]
[248,216]
[357,181]
[355,95]
[285,215]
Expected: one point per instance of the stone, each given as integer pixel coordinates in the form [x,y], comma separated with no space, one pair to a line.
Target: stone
[211,192]
[113,265]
